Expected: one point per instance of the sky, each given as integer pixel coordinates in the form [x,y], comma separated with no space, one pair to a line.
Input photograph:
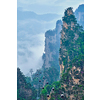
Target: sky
[48,6]
[31,32]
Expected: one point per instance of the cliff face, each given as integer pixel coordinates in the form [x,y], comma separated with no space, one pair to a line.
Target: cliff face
[79,14]
[71,84]
[52,45]
[68,25]
[50,69]
[69,47]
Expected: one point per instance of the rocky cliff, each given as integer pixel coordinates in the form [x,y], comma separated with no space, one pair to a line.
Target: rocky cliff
[79,14]
[69,48]
[71,84]
[52,45]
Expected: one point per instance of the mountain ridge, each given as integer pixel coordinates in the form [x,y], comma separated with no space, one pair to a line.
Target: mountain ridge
[22,15]
[71,84]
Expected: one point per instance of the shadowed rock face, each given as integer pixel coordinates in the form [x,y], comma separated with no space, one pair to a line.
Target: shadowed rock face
[79,14]
[52,45]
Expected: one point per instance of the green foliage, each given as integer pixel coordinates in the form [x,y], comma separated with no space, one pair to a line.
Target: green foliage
[69,19]
[48,88]
[28,79]
[44,91]
[51,74]
[73,42]
[22,83]
[75,51]
[80,85]
[56,84]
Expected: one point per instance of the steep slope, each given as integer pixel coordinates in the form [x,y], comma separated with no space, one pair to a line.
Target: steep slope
[24,89]
[52,45]
[79,14]
[72,39]
[71,84]
[50,69]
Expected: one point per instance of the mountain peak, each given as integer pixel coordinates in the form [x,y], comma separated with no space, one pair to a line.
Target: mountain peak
[80,8]
[68,11]
[79,14]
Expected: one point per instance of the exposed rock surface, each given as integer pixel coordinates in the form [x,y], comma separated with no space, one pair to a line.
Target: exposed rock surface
[71,60]
[79,14]
[52,45]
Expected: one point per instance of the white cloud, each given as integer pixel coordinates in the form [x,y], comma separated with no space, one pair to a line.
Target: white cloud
[31,32]
[30,45]
[30,53]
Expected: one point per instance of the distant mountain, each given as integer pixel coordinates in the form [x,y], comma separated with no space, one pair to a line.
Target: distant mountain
[22,15]
[31,29]
[79,14]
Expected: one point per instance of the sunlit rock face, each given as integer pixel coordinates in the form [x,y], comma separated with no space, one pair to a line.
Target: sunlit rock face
[71,60]
[68,24]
